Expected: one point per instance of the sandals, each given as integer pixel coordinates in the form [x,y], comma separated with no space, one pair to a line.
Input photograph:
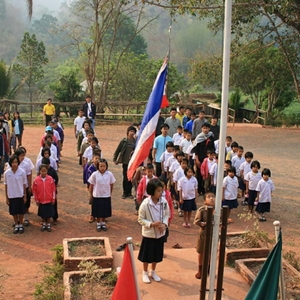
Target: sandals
[121,247]
[177,246]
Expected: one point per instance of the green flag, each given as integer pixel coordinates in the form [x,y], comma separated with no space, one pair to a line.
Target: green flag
[266,283]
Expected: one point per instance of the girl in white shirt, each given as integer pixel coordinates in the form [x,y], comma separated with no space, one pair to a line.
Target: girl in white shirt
[230,191]
[264,189]
[101,187]
[187,187]
[251,179]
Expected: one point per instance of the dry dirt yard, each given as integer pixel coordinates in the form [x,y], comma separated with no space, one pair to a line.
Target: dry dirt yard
[22,255]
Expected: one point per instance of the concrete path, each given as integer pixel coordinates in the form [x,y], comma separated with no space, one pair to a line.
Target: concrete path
[178,282]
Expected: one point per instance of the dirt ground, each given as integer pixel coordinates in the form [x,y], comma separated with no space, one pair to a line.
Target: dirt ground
[22,255]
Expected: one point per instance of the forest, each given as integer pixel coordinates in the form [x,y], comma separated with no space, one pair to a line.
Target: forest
[113,50]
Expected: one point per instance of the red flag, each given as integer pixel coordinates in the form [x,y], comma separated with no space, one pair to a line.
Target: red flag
[125,288]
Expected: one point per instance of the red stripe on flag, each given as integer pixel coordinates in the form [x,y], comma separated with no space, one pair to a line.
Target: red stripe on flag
[142,154]
[125,288]
[165,102]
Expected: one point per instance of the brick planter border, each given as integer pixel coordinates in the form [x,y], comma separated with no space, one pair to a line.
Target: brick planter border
[232,255]
[104,261]
[68,275]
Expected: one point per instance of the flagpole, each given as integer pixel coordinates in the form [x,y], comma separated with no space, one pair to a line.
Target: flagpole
[130,248]
[281,276]
[223,127]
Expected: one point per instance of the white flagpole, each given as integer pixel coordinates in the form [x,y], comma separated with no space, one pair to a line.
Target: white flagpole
[281,276]
[223,127]
[130,248]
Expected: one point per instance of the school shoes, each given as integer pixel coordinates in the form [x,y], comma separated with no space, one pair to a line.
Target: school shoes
[16,230]
[145,277]
[49,228]
[155,276]
[123,196]
[26,223]
[43,228]
[98,228]
[21,229]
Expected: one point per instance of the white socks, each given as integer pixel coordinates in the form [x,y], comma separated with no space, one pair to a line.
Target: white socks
[154,276]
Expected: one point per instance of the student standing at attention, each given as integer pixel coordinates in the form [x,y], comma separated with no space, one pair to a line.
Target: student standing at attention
[154,216]
[159,146]
[48,111]
[78,122]
[172,122]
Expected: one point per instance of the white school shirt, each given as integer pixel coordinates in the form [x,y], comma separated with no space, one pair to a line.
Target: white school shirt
[53,151]
[265,189]
[246,167]
[231,187]
[213,171]
[15,183]
[189,149]
[178,174]
[78,121]
[164,158]
[26,168]
[88,153]
[175,165]
[210,163]
[176,138]
[101,183]
[236,162]
[170,161]
[188,187]
[53,164]
[29,162]
[185,144]
[253,179]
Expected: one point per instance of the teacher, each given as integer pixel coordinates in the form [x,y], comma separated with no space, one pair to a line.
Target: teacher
[89,109]
[48,111]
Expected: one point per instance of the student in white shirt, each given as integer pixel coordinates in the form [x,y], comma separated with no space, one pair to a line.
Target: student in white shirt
[171,159]
[213,172]
[251,179]
[186,143]
[188,188]
[264,189]
[245,168]
[88,153]
[15,192]
[165,156]
[78,122]
[230,191]
[46,152]
[101,187]
[177,136]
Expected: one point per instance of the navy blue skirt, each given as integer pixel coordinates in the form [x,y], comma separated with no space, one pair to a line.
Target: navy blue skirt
[263,207]
[152,250]
[16,206]
[101,207]
[46,211]
[188,205]
[230,203]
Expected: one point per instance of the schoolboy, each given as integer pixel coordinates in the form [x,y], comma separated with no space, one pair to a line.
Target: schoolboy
[185,143]
[233,152]
[78,122]
[178,135]
[165,156]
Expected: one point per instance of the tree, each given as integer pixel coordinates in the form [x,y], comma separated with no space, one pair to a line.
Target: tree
[30,62]
[4,80]
[96,34]
[67,88]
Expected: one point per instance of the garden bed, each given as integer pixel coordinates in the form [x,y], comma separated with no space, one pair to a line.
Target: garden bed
[79,287]
[238,248]
[249,269]
[87,249]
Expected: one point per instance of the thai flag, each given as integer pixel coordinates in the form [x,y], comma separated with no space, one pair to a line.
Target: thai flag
[150,119]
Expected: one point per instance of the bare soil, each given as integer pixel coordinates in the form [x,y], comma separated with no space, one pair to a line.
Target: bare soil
[22,255]
[86,248]
[84,290]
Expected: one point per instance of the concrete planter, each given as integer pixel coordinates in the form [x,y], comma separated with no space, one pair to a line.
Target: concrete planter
[291,275]
[69,276]
[71,263]
[232,255]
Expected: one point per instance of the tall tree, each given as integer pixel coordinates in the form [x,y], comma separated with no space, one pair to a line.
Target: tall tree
[30,61]
[4,80]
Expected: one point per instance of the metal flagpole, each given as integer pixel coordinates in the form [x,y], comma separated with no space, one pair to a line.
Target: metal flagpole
[281,276]
[223,127]
[130,248]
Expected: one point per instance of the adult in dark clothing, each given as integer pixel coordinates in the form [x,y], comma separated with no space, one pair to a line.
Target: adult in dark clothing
[160,121]
[122,155]
[51,172]
[215,128]
[204,141]
[89,109]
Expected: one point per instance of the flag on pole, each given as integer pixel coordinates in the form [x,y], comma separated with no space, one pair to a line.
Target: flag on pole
[125,288]
[149,122]
[266,283]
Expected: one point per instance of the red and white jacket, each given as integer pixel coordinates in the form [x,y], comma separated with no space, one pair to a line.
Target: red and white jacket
[142,188]
[204,169]
[44,190]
